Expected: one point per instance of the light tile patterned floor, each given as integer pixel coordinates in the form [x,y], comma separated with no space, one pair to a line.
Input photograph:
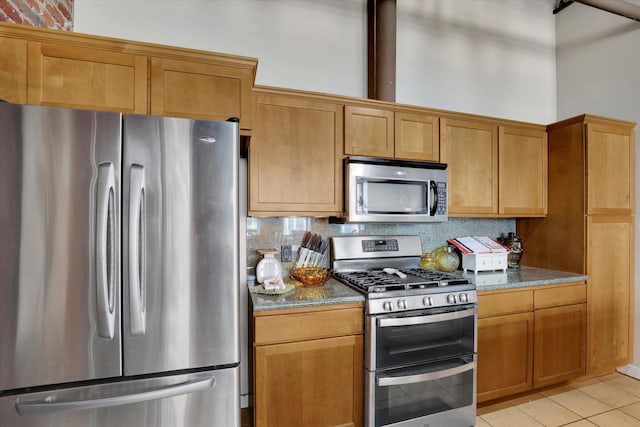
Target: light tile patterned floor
[609,401]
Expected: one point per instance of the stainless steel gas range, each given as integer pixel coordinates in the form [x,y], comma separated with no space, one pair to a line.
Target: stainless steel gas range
[420,335]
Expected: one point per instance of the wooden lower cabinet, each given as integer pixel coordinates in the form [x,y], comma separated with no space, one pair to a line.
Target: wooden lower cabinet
[610,248]
[308,367]
[559,344]
[530,338]
[505,350]
[309,383]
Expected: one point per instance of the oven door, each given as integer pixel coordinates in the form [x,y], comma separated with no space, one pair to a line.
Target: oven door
[417,337]
[438,394]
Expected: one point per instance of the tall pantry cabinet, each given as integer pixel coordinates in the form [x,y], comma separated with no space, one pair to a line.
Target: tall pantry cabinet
[589,228]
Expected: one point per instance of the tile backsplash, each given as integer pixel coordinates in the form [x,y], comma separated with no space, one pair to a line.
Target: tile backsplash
[275,232]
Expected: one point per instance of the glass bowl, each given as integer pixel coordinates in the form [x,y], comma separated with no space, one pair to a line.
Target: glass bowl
[311,276]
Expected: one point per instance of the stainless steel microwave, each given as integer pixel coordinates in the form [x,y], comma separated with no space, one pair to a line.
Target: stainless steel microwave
[388,190]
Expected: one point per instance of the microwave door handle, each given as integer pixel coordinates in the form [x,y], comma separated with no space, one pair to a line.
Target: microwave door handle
[362,195]
[426,319]
[385,381]
[433,194]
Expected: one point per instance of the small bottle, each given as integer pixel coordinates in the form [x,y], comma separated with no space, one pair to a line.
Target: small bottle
[269,267]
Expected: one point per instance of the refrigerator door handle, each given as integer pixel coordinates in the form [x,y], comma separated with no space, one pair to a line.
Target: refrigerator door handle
[50,404]
[137,283]
[105,250]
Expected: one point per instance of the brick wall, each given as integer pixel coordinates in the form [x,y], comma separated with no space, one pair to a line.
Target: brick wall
[56,14]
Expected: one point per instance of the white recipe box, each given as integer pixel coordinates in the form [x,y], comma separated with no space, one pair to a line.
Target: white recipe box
[484,261]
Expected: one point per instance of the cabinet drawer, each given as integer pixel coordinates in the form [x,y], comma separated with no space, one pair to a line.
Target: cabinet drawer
[505,303]
[277,328]
[556,297]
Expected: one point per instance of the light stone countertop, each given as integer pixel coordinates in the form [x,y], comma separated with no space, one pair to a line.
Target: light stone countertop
[521,278]
[332,292]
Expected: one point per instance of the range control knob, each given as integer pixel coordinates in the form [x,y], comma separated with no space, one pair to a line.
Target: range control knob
[427,301]
[402,304]
[451,299]
[463,298]
[387,306]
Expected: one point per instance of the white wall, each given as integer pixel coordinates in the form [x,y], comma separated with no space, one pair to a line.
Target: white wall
[301,44]
[599,72]
[491,57]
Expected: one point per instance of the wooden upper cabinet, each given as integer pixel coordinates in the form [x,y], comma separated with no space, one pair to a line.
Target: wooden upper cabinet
[610,169]
[196,89]
[89,78]
[417,137]
[471,151]
[392,134]
[368,131]
[522,168]
[13,70]
[295,157]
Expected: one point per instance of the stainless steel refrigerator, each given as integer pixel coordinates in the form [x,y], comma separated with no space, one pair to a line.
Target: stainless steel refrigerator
[118,270]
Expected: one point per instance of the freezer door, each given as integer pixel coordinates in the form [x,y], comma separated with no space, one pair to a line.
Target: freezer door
[205,399]
[59,250]
[180,251]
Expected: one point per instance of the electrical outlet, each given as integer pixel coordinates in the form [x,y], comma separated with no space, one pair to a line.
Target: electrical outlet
[285,253]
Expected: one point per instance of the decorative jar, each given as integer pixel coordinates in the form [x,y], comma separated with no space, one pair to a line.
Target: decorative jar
[516,249]
[447,259]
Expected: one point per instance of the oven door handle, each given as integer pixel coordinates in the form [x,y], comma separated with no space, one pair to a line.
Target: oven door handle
[424,319]
[385,381]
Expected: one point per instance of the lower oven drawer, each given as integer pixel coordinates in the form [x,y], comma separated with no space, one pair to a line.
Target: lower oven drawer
[438,394]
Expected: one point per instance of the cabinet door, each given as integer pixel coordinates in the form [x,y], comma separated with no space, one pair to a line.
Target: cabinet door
[559,344]
[417,137]
[471,151]
[522,155]
[610,169]
[309,383]
[13,70]
[201,90]
[610,247]
[295,158]
[368,131]
[86,78]
[505,350]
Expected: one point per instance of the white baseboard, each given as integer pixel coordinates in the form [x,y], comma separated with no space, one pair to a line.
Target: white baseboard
[630,370]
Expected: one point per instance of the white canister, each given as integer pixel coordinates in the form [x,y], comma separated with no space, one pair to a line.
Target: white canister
[269,266]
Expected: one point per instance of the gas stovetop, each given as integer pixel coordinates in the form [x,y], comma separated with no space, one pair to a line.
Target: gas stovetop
[416,278]
[361,261]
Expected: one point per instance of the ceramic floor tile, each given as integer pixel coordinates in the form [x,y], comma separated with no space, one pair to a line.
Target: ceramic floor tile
[549,413]
[624,383]
[510,417]
[481,422]
[609,395]
[581,423]
[580,403]
[614,418]
[633,410]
